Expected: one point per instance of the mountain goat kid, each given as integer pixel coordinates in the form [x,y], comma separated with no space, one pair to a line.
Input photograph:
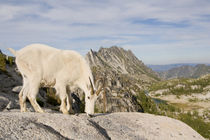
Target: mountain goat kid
[43,66]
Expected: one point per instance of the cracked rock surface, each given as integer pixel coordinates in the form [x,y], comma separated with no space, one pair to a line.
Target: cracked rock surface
[115,126]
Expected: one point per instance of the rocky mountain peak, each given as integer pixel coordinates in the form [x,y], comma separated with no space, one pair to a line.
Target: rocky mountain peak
[120,60]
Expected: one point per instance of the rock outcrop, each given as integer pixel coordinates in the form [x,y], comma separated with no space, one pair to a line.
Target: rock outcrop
[115,126]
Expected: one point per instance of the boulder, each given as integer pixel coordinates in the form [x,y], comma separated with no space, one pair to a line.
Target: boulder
[17,89]
[115,126]
[3,103]
[8,101]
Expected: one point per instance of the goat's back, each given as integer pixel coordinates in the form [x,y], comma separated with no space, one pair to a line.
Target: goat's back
[46,62]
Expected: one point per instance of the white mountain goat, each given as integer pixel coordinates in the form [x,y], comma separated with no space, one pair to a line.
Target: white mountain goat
[43,66]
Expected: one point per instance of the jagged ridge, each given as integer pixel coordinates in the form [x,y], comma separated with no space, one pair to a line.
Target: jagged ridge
[121,61]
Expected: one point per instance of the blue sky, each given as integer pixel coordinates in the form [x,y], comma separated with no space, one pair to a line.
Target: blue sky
[157,31]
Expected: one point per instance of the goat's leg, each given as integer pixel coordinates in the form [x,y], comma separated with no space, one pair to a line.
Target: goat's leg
[63,106]
[22,106]
[69,100]
[22,95]
[26,90]
[22,99]
[34,88]
[69,103]
[61,90]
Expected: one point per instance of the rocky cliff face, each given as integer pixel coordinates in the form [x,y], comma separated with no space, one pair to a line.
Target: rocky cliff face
[9,78]
[125,78]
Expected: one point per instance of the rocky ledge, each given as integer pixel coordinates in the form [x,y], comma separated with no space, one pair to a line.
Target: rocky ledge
[115,126]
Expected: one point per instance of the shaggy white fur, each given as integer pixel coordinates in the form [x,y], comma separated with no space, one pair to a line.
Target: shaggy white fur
[43,66]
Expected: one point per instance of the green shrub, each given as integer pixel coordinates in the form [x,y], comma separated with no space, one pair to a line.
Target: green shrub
[156,95]
[197,123]
[96,109]
[177,96]
[82,105]
[41,103]
[146,103]
[193,100]
[10,61]
[52,98]
[2,63]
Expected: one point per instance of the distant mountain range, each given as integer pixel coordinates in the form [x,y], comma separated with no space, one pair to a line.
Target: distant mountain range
[185,71]
[160,68]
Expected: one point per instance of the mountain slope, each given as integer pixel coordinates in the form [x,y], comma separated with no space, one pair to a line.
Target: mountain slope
[125,78]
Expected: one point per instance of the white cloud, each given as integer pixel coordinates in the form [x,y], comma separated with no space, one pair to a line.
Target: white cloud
[157,25]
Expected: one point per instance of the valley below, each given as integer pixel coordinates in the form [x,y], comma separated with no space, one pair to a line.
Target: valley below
[189,103]
[186,94]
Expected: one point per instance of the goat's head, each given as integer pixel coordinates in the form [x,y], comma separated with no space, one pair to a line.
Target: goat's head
[91,98]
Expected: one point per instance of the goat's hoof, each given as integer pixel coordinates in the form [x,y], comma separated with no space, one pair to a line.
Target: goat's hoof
[65,112]
[90,115]
[23,110]
[40,111]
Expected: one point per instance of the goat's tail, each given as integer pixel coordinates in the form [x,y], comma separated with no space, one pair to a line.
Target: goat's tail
[12,51]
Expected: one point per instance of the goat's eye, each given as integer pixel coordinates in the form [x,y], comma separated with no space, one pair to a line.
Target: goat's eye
[88,97]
